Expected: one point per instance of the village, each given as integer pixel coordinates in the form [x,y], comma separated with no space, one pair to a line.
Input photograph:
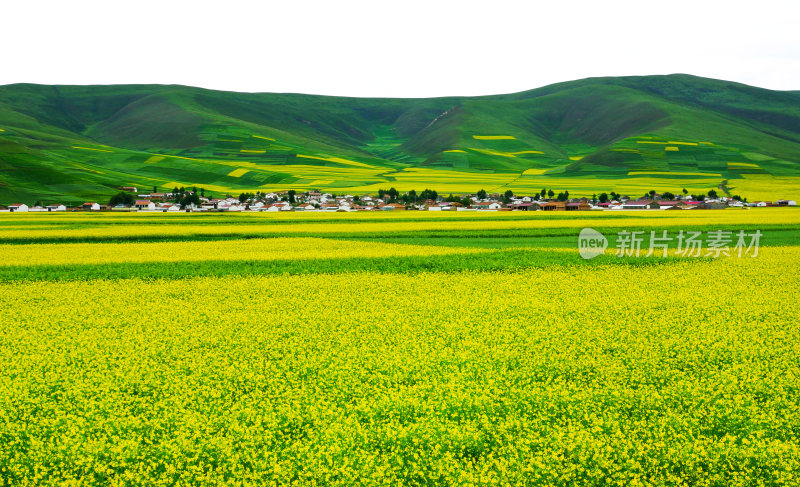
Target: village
[130,199]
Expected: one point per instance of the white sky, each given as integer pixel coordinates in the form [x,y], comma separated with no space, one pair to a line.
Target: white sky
[400,48]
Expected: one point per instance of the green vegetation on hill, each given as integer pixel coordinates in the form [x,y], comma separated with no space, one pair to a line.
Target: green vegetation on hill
[631,134]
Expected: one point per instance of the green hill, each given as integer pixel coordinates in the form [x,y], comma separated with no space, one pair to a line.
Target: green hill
[628,134]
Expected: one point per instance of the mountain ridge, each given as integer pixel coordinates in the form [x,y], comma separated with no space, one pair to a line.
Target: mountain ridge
[590,135]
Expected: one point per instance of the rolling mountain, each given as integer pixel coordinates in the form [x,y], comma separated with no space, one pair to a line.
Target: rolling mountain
[627,134]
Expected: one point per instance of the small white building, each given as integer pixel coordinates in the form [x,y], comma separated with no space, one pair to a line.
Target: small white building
[18,208]
[144,205]
[90,206]
[56,208]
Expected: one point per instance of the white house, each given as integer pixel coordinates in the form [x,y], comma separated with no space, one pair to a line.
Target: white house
[488,205]
[230,208]
[144,205]
[56,208]
[19,208]
[37,209]
[89,206]
[174,208]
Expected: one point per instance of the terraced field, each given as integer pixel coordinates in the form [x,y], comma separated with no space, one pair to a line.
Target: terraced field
[413,348]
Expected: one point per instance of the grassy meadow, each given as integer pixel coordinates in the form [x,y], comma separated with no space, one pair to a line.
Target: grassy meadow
[402,349]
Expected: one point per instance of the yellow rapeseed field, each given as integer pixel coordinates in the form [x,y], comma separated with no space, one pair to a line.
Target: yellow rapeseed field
[238,172]
[394,349]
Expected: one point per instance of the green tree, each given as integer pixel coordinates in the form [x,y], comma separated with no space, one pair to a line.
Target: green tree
[482,194]
[121,198]
[508,195]
[712,194]
[292,194]
[190,199]
[603,198]
[551,193]
[428,194]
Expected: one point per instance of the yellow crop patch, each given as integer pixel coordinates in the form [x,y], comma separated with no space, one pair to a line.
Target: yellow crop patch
[671,148]
[676,173]
[527,152]
[253,151]
[154,159]
[336,159]
[533,172]
[236,173]
[682,143]
[493,137]
[260,137]
[743,164]
[456,150]
[90,148]
[492,152]
[575,158]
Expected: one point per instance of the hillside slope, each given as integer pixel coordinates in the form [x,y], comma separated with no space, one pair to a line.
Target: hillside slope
[629,134]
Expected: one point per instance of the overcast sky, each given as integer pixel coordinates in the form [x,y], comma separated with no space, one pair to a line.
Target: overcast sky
[395,48]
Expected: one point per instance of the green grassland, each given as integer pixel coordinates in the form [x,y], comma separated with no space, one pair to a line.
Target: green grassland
[424,349]
[72,143]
